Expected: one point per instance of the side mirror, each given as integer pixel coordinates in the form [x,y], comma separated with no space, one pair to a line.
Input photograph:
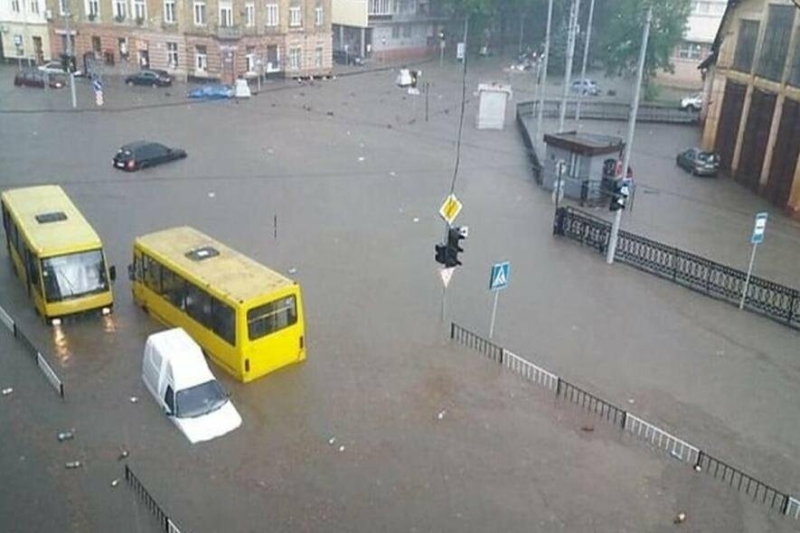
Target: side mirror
[112,272]
[130,272]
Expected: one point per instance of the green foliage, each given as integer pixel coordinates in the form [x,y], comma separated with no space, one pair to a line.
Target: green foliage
[620,34]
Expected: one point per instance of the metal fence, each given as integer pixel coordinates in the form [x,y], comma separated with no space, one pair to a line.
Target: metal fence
[610,111]
[150,503]
[644,431]
[41,362]
[776,301]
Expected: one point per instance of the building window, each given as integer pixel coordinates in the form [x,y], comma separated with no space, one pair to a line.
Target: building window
[35,7]
[201,58]
[380,7]
[120,9]
[294,58]
[407,30]
[295,18]
[690,50]
[318,57]
[250,59]
[746,46]
[93,9]
[272,15]
[405,6]
[199,13]
[169,11]
[225,15]
[319,16]
[249,15]
[775,48]
[63,7]
[139,10]
[172,55]
[794,76]
[396,31]
[15,6]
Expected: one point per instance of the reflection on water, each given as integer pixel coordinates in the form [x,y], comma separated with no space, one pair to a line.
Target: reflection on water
[109,325]
[61,345]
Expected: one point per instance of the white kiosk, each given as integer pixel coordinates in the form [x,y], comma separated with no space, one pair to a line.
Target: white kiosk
[492,108]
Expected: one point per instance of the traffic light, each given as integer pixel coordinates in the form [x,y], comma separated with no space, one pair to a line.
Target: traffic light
[68,63]
[447,253]
[620,195]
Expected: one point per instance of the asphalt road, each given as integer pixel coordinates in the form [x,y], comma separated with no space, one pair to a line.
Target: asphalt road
[354,175]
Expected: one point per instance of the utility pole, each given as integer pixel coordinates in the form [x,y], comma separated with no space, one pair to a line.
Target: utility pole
[612,241]
[543,87]
[573,24]
[585,58]
[521,30]
[67,16]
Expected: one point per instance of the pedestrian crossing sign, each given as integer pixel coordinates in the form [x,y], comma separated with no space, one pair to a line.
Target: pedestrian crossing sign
[499,277]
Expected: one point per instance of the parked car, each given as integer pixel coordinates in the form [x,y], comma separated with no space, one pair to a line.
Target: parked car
[153,78]
[142,154]
[177,375]
[36,78]
[692,103]
[347,58]
[212,91]
[585,87]
[698,162]
[54,67]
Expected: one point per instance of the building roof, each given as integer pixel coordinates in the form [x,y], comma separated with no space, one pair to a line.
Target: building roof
[585,143]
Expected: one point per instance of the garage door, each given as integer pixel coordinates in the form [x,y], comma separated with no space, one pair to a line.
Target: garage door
[784,156]
[728,128]
[756,135]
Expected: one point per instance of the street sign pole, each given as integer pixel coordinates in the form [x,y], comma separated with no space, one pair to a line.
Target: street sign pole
[494,314]
[747,279]
[756,238]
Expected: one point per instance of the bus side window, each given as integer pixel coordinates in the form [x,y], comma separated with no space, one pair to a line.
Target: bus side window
[198,304]
[152,274]
[174,287]
[33,269]
[223,321]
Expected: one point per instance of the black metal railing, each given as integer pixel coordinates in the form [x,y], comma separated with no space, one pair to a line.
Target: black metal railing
[149,502]
[476,342]
[590,402]
[776,301]
[758,490]
[610,111]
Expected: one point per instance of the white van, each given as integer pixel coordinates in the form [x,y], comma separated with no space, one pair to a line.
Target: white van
[177,375]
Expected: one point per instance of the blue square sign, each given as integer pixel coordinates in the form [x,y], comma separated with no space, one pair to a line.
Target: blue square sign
[499,276]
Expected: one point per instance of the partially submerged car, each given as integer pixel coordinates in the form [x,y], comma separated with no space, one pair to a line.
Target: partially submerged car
[698,162]
[177,375]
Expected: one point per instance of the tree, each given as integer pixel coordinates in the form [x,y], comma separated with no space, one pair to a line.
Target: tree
[620,34]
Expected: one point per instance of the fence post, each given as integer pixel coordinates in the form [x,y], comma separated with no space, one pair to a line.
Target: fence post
[452,330]
[698,464]
[791,308]
[674,264]
[501,354]
[624,418]
[558,387]
[785,506]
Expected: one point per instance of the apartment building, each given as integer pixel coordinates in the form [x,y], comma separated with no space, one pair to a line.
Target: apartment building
[199,39]
[753,95]
[24,36]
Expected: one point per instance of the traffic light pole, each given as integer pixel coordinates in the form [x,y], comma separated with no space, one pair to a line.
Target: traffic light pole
[612,240]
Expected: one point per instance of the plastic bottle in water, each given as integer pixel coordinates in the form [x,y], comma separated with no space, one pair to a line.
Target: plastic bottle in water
[65,435]
[73,464]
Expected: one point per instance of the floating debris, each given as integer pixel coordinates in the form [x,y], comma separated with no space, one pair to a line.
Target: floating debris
[115,482]
[416,219]
[7,391]
[292,270]
[66,435]
[341,448]
[212,194]
[134,399]
[440,414]
[73,464]
[123,454]
[587,429]
[680,518]
[332,440]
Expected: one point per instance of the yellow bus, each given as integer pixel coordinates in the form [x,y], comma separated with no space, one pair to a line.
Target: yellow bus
[55,253]
[247,318]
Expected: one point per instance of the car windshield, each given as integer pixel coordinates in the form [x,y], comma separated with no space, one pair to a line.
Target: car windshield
[200,399]
[707,157]
[74,275]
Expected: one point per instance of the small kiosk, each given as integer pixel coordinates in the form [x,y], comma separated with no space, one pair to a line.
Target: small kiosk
[492,108]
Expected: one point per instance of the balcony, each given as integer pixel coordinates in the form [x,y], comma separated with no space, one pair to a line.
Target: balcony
[229,32]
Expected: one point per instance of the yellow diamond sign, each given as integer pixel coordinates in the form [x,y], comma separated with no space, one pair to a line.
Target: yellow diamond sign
[450,208]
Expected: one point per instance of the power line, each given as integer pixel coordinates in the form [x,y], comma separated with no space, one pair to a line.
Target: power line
[463,105]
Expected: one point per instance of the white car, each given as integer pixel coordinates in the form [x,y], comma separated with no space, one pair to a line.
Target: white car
[54,67]
[177,375]
[585,87]
[692,103]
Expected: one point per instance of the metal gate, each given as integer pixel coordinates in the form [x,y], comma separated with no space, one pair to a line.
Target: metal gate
[728,127]
[754,141]
[784,156]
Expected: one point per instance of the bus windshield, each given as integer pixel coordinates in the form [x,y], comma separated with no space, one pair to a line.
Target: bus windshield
[200,399]
[74,275]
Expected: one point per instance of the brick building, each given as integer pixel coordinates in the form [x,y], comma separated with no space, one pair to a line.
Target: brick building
[214,39]
[753,95]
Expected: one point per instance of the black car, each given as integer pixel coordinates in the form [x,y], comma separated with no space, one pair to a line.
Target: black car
[141,154]
[153,78]
[341,57]
[698,163]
